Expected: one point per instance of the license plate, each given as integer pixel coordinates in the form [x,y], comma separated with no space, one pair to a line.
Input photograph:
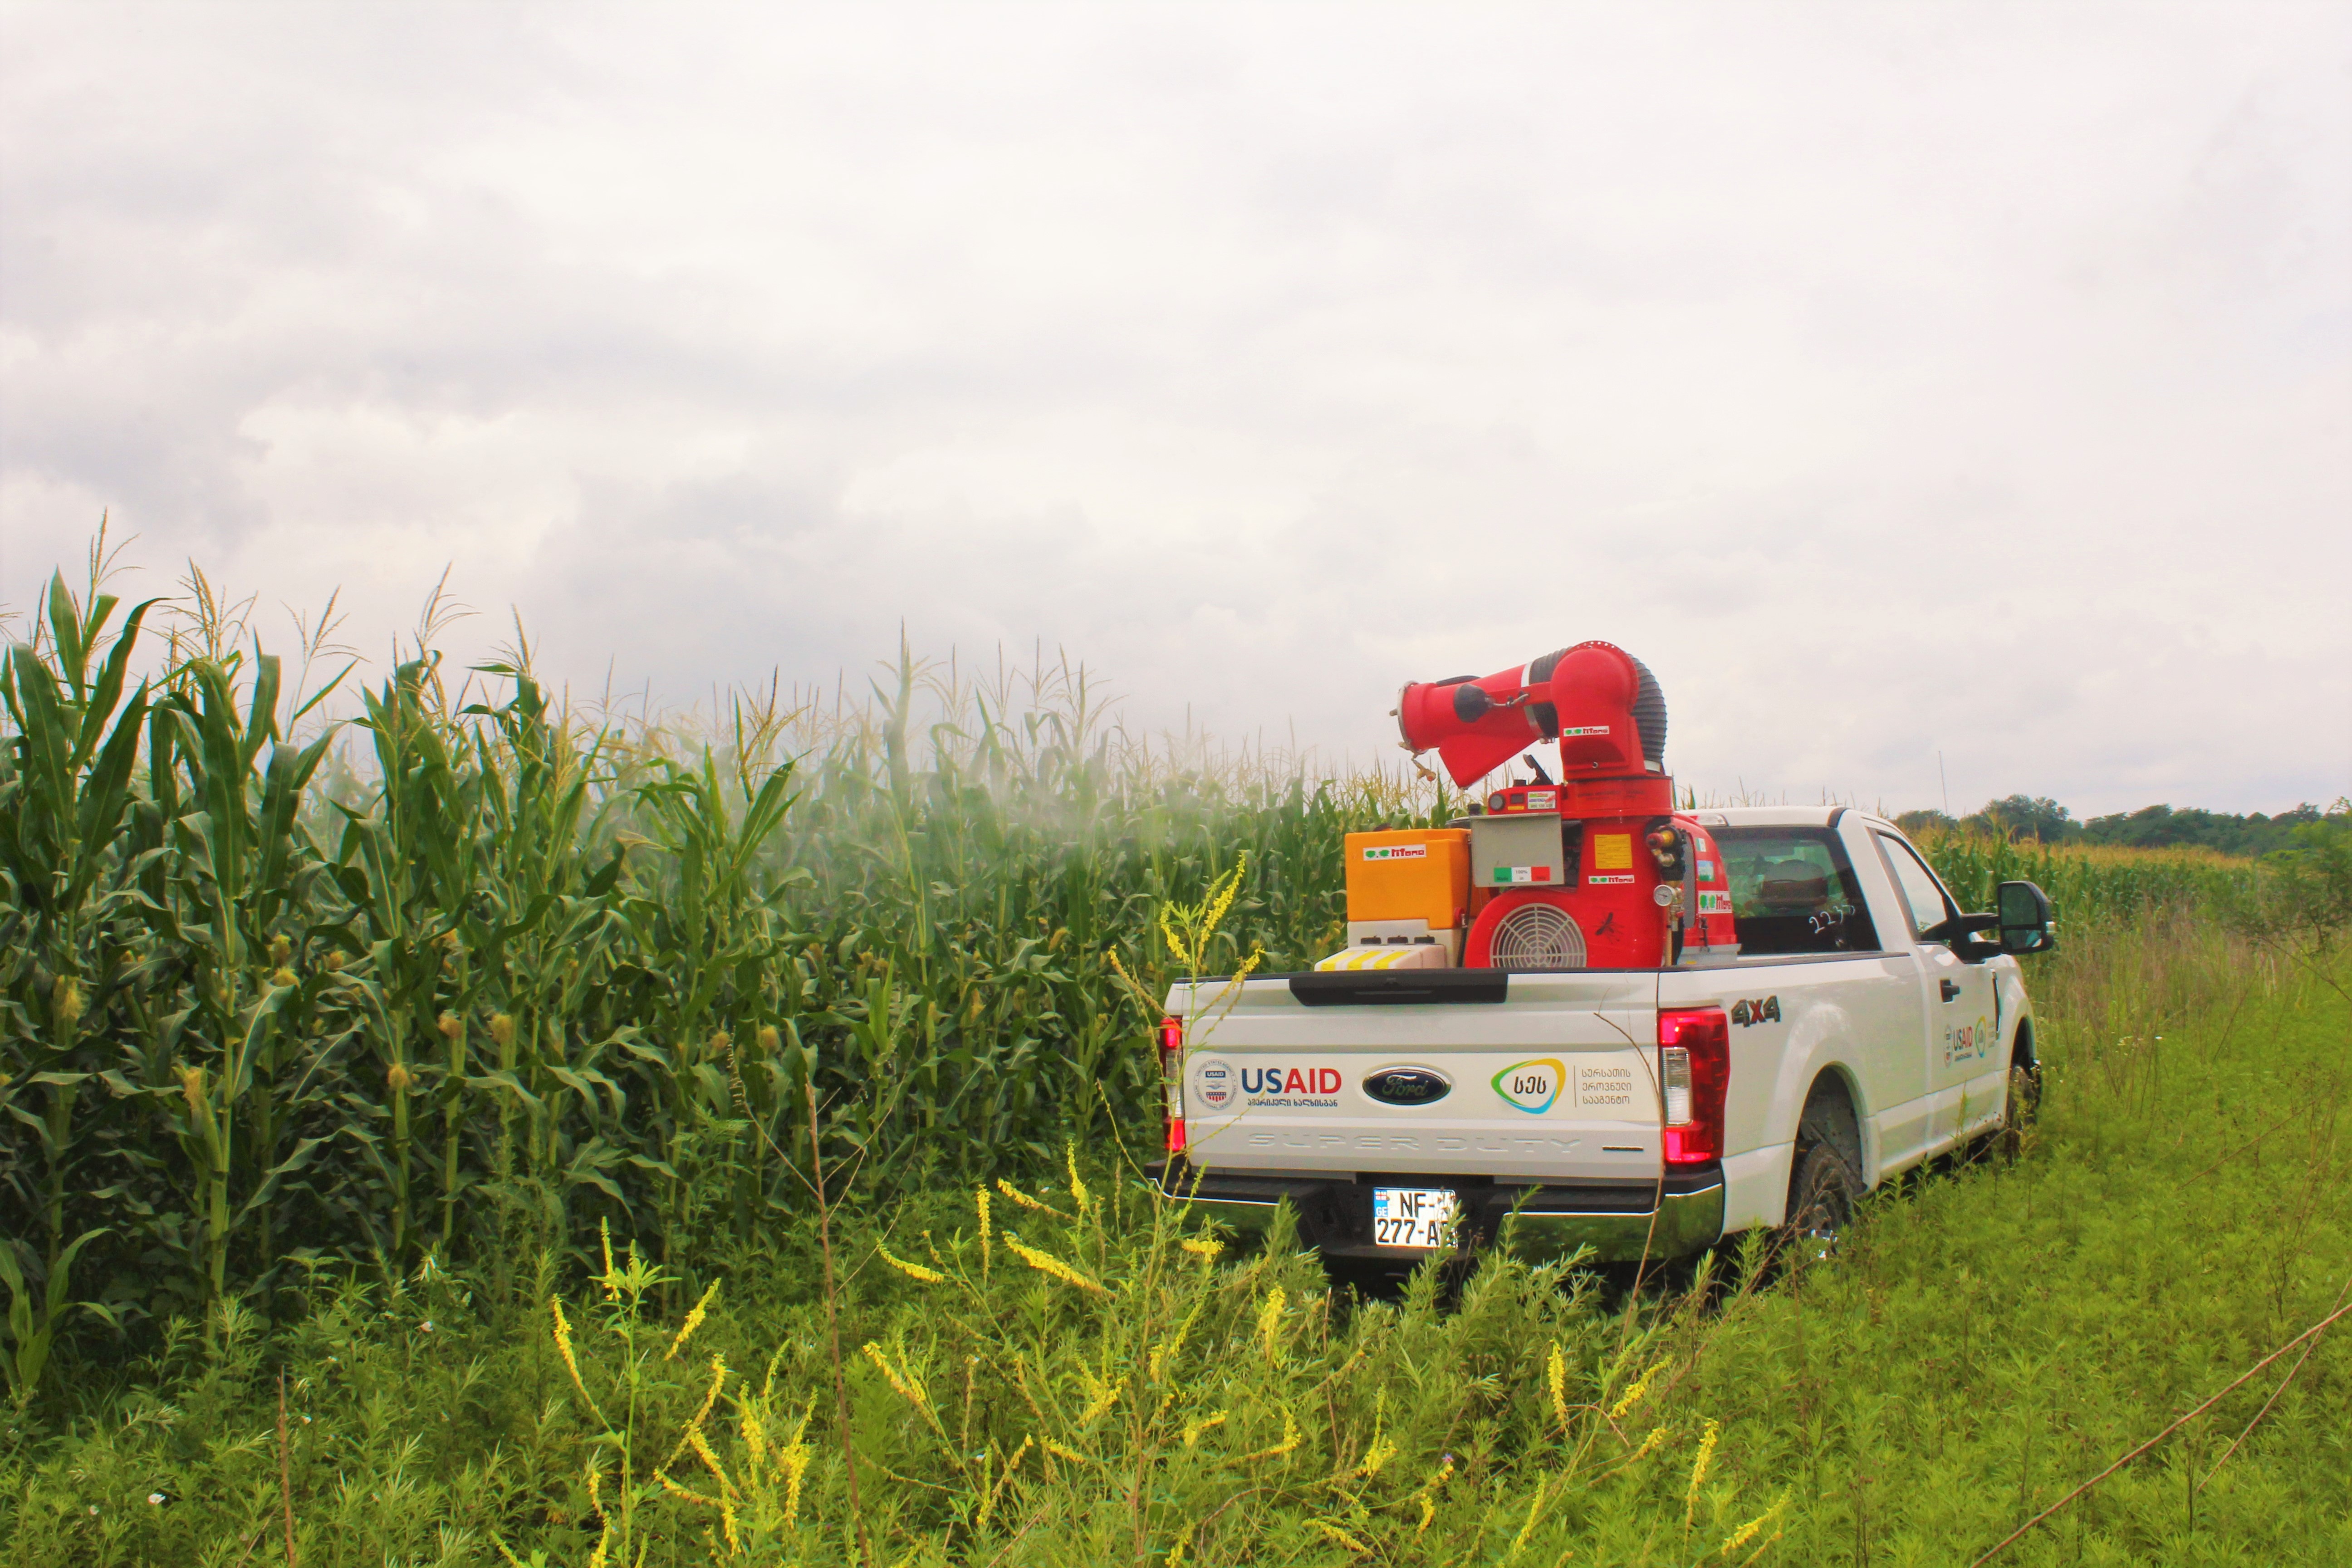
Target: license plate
[1413,1216]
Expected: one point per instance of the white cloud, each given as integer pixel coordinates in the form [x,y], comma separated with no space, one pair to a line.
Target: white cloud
[1893,381]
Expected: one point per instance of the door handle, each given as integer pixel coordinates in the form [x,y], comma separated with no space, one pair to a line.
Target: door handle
[1950,989]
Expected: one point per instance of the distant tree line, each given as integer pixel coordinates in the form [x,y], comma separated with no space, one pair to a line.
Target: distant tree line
[2038,817]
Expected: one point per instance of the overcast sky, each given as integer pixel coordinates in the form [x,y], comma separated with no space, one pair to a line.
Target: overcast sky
[1893,379]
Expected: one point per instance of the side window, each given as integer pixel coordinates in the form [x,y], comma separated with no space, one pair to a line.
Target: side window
[1923,896]
[1793,890]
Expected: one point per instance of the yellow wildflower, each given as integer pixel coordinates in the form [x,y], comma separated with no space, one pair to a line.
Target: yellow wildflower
[1025,1200]
[986,1230]
[598,1558]
[1079,1193]
[794,1457]
[1289,1440]
[1105,1395]
[1231,884]
[910,1390]
[1747,1532]
[683,1493]
[911,1270]
[1192,1429]
[1059,1452]
[693,1322]
[1269,1322]
[564,1349]
[710,1398]
[1164,1354]
[1535,1513]
[1556,1379]
[1633,1394]
[1204,1248]
[710,1460]
[1046,1263]
[1699,1468]
[1429,1491]
[1334,1533]
[754,1431]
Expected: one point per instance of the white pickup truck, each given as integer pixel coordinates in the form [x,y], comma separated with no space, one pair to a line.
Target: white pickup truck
[1863,1027]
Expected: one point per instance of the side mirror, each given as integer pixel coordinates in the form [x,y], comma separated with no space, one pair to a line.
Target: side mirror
[2026,917]
[1959,934]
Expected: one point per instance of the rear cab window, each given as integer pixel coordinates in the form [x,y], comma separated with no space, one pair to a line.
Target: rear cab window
[1924,898]
[1793,890]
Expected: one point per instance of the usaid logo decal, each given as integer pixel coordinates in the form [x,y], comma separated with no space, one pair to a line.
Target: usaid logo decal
[1214,1083]
[1288,1081]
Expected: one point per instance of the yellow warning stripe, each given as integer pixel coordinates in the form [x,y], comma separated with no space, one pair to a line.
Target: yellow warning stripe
[1367,958]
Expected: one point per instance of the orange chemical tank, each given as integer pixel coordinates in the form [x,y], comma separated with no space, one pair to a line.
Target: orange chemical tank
[1409,887]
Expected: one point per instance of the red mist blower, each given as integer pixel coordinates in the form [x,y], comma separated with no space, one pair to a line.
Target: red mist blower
[1594,870]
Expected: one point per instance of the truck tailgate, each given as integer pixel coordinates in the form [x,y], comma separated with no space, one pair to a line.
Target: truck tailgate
[1538,1076]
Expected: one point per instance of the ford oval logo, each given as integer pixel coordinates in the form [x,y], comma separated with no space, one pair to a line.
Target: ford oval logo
[1407,1086]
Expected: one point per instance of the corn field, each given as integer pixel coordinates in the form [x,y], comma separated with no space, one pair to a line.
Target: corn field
[2085,879]
[465,978]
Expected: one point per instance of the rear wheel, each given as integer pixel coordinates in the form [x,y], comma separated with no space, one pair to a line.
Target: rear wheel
[1822,1191]
[2024,1106]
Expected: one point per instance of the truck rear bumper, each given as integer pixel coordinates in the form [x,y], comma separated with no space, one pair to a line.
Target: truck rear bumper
[1620,1220]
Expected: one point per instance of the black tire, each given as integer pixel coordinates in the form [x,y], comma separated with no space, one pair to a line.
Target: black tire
[1822,1191]
[2024,1108]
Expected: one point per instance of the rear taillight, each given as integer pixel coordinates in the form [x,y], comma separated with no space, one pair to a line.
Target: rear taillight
[1172,1079]
[1694,1072]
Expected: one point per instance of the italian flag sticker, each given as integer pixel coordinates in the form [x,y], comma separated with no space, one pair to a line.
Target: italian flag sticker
[1505,875]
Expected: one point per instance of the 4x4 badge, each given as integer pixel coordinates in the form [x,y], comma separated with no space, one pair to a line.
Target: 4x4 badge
[1763,1010]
